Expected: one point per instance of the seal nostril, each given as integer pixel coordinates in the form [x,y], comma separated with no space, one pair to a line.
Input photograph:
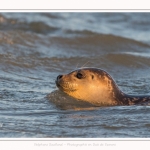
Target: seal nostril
[59,77]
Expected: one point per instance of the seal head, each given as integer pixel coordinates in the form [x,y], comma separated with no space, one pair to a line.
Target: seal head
[90,84]
[97,87]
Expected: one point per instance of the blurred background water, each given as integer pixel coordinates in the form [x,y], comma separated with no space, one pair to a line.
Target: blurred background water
[36,47]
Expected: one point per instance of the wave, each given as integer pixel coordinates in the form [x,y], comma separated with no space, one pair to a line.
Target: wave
[128,59]
[63,63]
[95,42]
[38,27]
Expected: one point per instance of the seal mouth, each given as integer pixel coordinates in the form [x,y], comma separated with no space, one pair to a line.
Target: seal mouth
[60,87]
[57,83]
[65,86]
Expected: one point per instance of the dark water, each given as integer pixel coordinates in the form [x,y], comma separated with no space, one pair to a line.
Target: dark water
[36,47]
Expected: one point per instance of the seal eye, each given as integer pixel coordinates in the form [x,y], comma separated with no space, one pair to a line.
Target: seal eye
[92,76]
[80,75]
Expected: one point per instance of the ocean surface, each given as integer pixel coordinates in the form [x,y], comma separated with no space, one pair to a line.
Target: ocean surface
[36,47]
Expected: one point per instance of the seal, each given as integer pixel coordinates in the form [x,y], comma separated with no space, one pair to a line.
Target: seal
[97,87]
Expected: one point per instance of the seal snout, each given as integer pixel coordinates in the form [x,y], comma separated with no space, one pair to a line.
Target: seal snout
[58,80]
[59,77]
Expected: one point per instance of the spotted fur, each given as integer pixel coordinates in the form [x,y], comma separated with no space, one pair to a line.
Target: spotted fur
[97,87]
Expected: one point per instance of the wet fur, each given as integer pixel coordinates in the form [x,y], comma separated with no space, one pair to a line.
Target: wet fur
[97,88]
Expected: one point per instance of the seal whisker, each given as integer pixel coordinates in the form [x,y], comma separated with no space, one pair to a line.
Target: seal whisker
[84,64]
[77,65]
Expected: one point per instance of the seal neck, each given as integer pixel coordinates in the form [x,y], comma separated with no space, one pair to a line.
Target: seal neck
[124,99]
[132,99]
